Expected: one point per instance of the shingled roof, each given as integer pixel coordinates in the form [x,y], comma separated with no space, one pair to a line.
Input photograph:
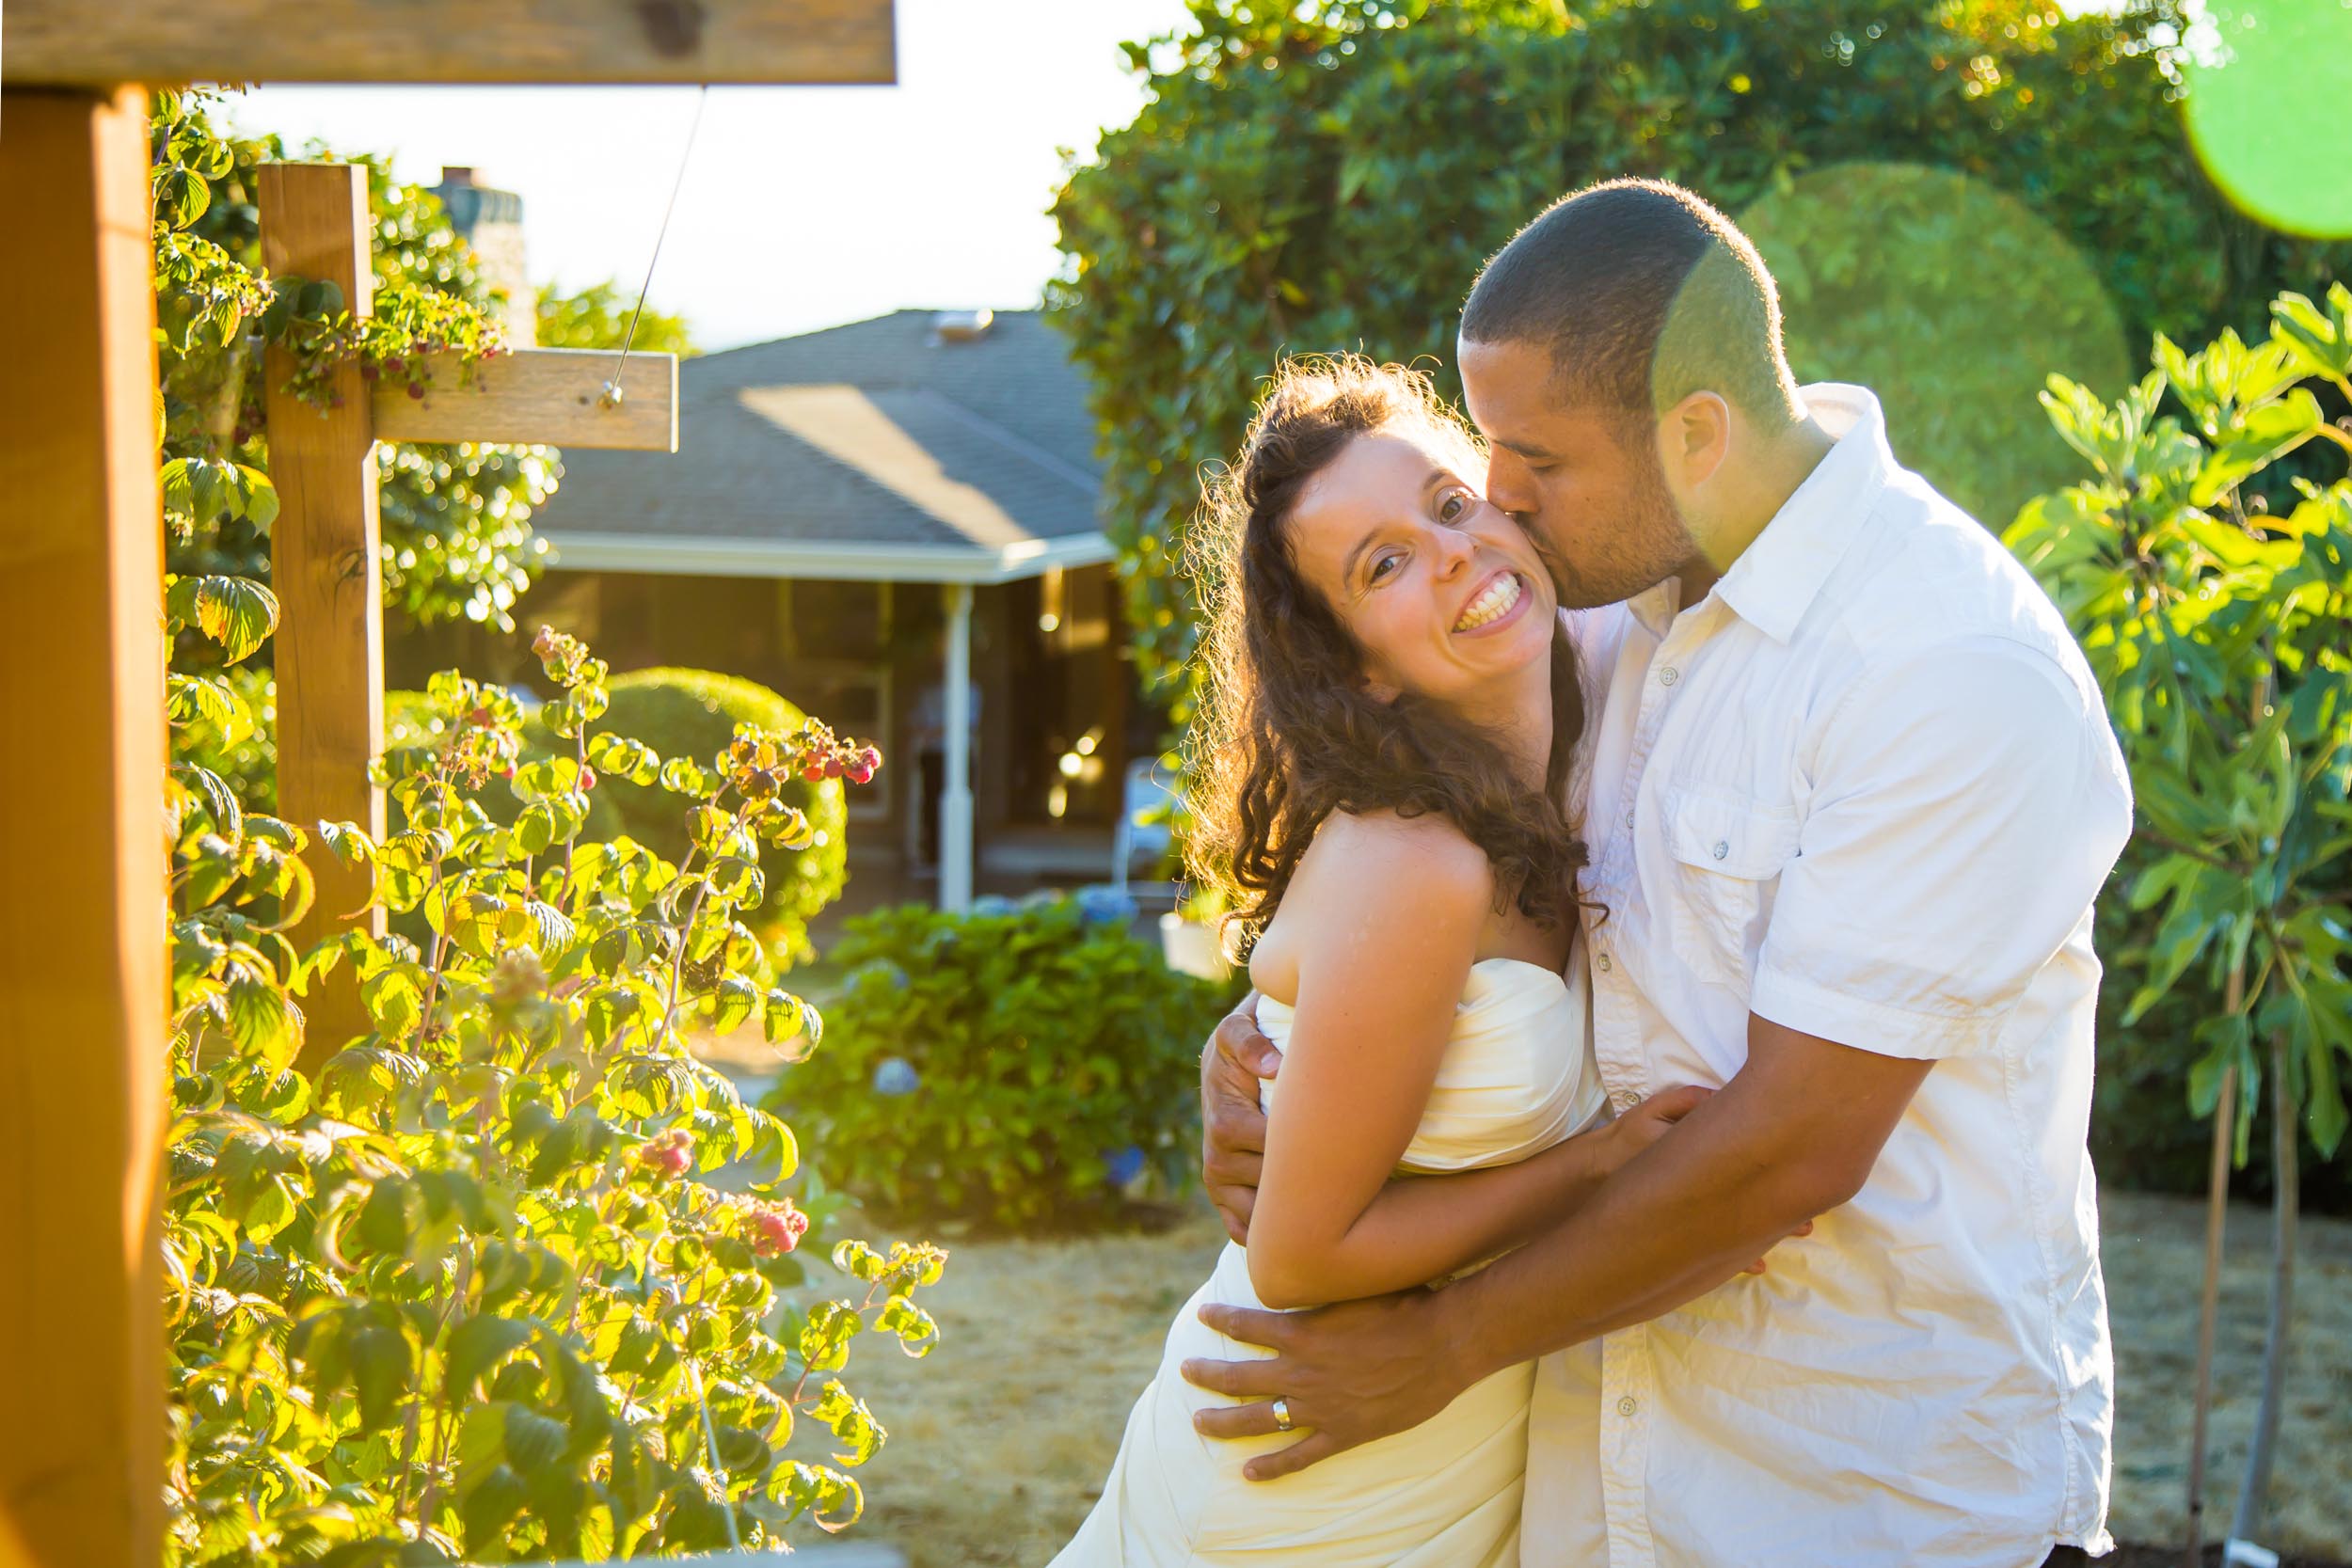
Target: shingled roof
[879,450]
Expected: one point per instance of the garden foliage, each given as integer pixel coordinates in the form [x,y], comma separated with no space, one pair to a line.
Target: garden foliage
[456,534]
[2214,605]
[692,712]
[1332,176]
[476,1289]
[1016,1065]
[465,1290]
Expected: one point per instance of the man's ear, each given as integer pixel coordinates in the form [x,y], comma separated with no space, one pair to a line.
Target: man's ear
[1694,438]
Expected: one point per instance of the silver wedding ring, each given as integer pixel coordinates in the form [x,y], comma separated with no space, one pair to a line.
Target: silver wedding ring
[1281,1414]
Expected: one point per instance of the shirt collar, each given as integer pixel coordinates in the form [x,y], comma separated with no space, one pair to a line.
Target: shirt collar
[1778,576]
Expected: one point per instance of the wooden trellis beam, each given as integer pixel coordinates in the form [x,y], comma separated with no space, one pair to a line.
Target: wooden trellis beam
[839,42]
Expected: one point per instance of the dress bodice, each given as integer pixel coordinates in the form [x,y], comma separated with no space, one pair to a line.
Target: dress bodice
[1517,1077]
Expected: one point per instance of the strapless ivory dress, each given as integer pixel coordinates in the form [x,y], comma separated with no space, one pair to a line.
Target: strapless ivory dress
[1516,1078]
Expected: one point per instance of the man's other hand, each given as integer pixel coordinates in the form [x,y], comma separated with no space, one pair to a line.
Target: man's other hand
[1233,1128]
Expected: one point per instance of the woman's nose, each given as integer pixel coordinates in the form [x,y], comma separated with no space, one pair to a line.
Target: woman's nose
[1455,550]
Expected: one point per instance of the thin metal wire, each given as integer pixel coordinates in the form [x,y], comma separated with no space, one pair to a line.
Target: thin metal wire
[612,387]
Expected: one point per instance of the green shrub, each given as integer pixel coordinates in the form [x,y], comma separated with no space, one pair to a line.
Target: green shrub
[1012,1065]
[693,713]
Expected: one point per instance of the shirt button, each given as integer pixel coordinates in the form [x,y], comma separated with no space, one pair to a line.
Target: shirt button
[1720,849]
[1627,1405]
[1628,819]
[1601,963]
[1668,675]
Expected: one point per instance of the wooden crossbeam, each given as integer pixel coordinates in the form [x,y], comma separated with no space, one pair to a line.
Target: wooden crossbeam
[83,986]
[774,42]
[551,395]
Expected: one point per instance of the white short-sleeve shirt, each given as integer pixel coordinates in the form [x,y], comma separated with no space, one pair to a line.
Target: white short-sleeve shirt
[1867,789]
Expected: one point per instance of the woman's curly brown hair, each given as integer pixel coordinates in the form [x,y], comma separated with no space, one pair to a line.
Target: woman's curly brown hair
[1287,732]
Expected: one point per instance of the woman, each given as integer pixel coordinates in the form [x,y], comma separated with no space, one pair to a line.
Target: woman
[1392,711]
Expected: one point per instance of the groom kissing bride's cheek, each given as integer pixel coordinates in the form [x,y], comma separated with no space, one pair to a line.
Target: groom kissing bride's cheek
[1663,830]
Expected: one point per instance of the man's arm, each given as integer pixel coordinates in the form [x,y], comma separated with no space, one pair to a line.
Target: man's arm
[1793,1135]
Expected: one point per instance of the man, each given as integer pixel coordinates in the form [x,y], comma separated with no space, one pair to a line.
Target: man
[1850,796]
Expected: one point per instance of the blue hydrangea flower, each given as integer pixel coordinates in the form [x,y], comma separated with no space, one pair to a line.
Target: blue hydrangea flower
[991,903]
[1125,1165]
[895,1076]
[1104,906]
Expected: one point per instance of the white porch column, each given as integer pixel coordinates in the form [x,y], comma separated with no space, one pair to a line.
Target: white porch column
[955,798]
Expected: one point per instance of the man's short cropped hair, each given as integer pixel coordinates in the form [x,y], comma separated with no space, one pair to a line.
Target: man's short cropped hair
[1644,293]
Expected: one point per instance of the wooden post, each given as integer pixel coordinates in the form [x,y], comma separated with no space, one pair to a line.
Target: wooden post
[327,572]
[83,909]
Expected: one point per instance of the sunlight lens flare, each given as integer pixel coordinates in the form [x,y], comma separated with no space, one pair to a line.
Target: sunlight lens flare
[1952,301]
[2269,109]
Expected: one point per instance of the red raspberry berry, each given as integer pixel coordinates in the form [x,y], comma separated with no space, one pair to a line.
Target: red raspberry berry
[416,390]
[772,1230]
[667,1157]
[587,778]
[833,767]
[814,772]
[479,715]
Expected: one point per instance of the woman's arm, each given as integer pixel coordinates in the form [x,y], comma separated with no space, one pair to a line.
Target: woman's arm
[1420,1228]
[1383,920]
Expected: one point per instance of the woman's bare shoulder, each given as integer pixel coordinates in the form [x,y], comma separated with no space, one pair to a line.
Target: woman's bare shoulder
[1389,857]
[1376,868]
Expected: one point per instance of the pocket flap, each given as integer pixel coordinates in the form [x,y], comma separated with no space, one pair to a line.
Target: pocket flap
[1726,834]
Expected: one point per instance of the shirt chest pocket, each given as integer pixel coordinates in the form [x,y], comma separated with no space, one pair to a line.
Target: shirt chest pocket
[1727,854]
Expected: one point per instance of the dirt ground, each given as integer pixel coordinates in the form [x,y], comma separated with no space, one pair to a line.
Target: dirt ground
[1000,1438]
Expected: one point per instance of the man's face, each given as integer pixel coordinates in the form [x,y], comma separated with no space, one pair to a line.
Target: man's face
[1588,488]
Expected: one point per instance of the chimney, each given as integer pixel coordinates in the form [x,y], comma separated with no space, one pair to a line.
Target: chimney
[491,221]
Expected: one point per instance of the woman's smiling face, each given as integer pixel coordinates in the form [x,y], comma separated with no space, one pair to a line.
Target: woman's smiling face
[1443,594]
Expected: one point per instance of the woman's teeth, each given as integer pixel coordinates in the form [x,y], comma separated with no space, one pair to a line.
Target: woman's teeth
[1491,605]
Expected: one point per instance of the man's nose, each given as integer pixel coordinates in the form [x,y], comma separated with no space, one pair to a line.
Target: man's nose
[1507,491]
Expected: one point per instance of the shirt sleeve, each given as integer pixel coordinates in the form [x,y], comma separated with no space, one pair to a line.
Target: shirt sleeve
[1968,803]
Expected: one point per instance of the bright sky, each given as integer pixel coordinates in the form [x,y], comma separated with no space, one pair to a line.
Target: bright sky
[801,206]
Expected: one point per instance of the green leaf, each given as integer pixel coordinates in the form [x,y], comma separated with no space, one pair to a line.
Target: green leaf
[236,612]
[475,1346]
[263,1021]
[383,1366]
[533,1442]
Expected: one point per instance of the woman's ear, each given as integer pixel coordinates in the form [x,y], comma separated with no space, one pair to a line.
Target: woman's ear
[1379,691]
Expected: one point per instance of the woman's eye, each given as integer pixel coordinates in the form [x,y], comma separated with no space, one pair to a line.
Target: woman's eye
[1382,566]
[1452,507]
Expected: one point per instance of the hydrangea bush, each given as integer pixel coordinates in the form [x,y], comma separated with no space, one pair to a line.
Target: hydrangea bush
[1016,1065]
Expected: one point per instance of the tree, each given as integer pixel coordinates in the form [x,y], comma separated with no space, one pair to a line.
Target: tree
[2216,612]
[598,317]
[1332,176]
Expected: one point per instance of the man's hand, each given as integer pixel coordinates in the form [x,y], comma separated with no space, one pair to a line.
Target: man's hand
[1352,1372]
[1232,1129]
